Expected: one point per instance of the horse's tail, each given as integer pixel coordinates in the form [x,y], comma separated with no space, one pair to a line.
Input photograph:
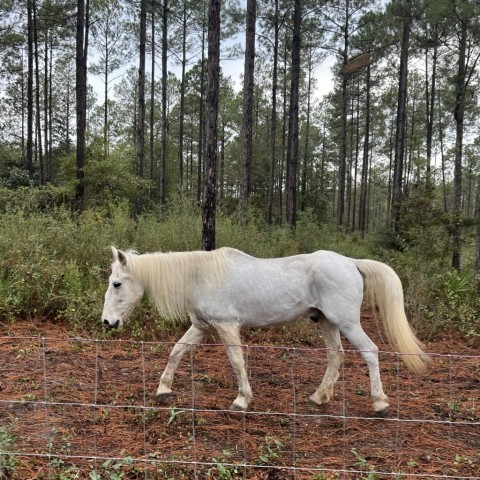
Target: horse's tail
[384,290]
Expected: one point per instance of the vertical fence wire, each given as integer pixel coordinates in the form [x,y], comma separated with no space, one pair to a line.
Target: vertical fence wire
[244,417]
[95,407]
[49,434]
[144,411]
[194,436]
[294,396]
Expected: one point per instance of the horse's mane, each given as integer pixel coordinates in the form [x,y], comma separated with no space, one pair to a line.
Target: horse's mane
[171,278]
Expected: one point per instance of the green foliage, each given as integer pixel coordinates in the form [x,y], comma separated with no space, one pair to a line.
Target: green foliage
[54,264]
[269,450]
[456,305]
[223,470]
[364,465]
[8,461]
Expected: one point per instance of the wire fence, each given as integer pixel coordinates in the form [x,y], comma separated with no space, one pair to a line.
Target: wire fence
[85,408]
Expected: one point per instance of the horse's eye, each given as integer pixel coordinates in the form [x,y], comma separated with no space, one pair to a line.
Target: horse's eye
[116,284]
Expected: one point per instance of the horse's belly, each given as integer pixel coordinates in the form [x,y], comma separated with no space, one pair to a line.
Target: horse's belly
[253,308]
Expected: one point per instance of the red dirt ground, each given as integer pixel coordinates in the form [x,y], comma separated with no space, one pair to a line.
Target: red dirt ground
[83,408]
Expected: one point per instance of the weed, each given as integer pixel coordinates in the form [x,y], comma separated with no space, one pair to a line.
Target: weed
[174,415]
[363,465]
[113,469]
[270,450]
[8,461]
[223,470]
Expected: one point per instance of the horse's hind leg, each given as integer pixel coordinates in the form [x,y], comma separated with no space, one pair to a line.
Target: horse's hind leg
[331,337]
[369,351]
[230,337]
[193,336]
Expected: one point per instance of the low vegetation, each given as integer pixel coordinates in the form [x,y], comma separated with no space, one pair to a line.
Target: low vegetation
[54,265]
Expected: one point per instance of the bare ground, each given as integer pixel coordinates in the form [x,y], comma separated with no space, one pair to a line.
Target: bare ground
[83,408]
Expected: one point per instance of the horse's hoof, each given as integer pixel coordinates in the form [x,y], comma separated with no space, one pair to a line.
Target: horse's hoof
[382,413]
[236,408]
[162,397]
[317,403]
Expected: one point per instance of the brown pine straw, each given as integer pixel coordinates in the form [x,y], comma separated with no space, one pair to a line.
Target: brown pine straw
[74,403]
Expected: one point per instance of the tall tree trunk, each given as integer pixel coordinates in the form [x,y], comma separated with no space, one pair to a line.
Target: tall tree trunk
[141,105]
[282,182]
[201,115]
[209,205]
[46,122]
[273,123]
[430,91]
[477,262]
[29,154]
[443,162]
[357,154]
[397,187]
[105,103]
[81,98]
[182,99]
[292,148]
[37,96]
[458,114]
[362,214]
[306,153]
[222,163]
[248,79]
[163,169]
[343,121]
[49,172]
[22,140]
[152,100]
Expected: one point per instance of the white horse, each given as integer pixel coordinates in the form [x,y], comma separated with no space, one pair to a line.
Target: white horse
[225,289]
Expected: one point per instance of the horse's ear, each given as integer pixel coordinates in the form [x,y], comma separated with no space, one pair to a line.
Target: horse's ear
[120,256]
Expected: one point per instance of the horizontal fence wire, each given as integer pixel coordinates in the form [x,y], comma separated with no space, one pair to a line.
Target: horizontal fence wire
[85,406]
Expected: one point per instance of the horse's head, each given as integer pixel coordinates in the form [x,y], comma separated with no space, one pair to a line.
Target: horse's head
[123,292]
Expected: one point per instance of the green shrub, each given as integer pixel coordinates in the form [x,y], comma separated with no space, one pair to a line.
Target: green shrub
[55,265]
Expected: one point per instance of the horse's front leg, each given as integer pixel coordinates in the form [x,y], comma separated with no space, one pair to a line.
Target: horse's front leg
[230,337]
[193,336]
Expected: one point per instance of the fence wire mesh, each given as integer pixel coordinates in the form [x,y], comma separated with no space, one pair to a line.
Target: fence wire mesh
[85,408]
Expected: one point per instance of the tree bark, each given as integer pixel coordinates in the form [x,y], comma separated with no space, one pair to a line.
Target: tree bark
[292,146]
[366,150]
[163,169]
[141,105]
[81,98]
[248,79]
[152,99]
[343,121]
[182,99]
[477,262]
[397,187]
[273,122]
[39,132]
[306,153]
[201,118]
[29,153]
[458,114]
[430,91]
[209,206]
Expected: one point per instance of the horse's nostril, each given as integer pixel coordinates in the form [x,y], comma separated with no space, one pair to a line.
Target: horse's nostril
[106,323]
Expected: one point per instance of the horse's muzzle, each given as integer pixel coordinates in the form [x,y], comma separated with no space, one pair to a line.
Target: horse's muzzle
[107,324]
